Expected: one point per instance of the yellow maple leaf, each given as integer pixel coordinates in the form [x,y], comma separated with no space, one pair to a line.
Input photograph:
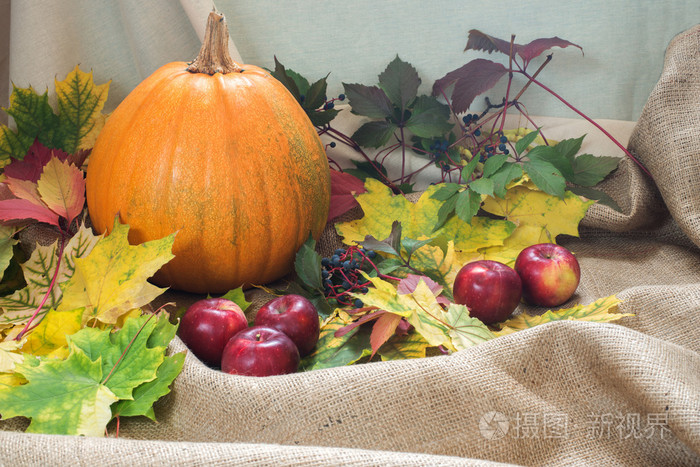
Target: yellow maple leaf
[381,208]
[418,220]
[552,215]
[9,356]
[112,279]
[603,310]
[50,334]
[522,237]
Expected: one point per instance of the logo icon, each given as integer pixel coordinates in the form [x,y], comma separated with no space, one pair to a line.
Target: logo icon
[493,425]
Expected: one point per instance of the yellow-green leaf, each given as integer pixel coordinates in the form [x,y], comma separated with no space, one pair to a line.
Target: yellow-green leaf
[80,102]
[412,345]
[552,215]
[50,334]
[332,351]
[61,396]
[465,331]
[9,356]
[385,297]
[603,310]
[427,316]
[113,279]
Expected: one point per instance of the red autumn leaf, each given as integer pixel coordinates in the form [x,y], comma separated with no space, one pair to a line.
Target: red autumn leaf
[538,46]
[470,80]
[20,209]
[480,41]
[343,188]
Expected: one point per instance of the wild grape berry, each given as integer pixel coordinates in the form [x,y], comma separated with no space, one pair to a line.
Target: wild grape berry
[477,132]
[501,147]
[325,273]
[335,260]
[358,303]
[332,144]
[345,285]
[325,262]
[328,106]
[506,152]
[371,254]
[341,97]
[503,139]
[339,252]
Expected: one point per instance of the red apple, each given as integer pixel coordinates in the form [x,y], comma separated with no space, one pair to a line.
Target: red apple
[491,290]
[550,274]
[260,351]
[295,316]
[207,326]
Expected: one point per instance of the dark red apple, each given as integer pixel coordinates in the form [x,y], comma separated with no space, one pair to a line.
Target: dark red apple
[260,351]
[491,290]
[208,325]
[550,274]
[295,316]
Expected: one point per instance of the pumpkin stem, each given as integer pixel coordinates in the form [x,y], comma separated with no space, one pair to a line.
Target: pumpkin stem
[213,57]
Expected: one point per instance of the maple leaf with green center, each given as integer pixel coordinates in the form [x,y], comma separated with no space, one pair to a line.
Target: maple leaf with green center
[603,310]
[80,102]
[113,278]
[38,272]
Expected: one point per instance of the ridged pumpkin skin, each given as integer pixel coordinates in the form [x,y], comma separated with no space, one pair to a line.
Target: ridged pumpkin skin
[228,161]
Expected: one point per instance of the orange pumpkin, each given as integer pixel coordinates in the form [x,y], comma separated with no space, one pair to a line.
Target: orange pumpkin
[220,153]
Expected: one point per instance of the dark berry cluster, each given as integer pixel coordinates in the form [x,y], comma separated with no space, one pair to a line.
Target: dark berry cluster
[341,275]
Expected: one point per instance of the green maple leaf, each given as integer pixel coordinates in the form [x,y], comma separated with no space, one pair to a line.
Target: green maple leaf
[331,350]
[61,396]
[75,395]
[145,395]
[127,360]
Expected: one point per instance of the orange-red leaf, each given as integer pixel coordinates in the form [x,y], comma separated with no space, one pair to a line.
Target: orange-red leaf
[383,329]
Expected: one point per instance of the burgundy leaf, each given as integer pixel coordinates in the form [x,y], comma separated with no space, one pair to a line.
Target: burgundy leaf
[343,188]
[536,47]
[33,163]
[403,328]
[480,41]
[472,79]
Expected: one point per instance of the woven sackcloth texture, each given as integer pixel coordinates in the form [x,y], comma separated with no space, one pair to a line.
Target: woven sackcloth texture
[564,393]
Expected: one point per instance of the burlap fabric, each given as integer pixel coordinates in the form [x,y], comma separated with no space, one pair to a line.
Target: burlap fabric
[558,394]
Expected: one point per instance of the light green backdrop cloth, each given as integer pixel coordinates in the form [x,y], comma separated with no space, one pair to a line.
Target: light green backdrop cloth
[126,40]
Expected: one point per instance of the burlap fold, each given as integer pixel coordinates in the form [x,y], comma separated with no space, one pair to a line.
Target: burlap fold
[558,394]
